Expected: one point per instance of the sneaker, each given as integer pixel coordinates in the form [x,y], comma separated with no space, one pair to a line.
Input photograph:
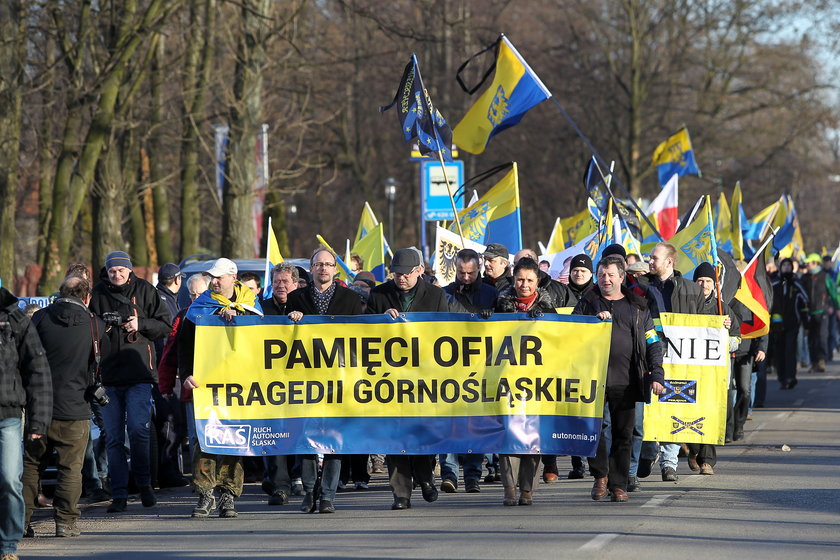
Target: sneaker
[147,496]
[669,475]
[706,468]
[297,489]
[341,485]
[326,506]
[67,530]
[118,505]
[278,499]
[378,467]
[206,504]
[226,507]
[633,484]
[361,485]
[448,486]
[472,487]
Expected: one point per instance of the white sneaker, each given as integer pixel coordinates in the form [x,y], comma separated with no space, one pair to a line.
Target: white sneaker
[361,486]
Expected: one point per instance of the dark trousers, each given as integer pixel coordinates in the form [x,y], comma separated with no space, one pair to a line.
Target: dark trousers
[69,438]
[355,468]
[817,338]
[784,352]
[615,462]
[742,373]
[705,453]
[403,470]
[549,464]
[277,476]
[171,431]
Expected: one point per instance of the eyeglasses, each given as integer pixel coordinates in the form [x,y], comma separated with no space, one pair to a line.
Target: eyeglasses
[323,265]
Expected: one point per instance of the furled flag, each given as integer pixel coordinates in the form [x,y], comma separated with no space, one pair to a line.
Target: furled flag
[675,155]
[371,248]
[342,268]
[578,226]
[785,220]
[418,117]
[556,242]
[367,222]
[495,217]
[755,293]
[696,243]
[272,259]
[723,224]
[514,91]
[665,208]
[447,245]
[739,220]
[596,185]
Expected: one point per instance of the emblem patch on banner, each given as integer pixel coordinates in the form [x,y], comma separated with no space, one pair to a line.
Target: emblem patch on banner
[230,436]
[680,391]
[693,425]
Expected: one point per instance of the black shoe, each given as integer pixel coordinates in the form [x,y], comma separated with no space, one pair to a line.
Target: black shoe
[792,383]
[67,530]
[738,436]
[147,496]
[401,503]
[98,495]
[645,466]
[472,487]
[278,499]
[633,484]
[206,504]
[308,503]
[29,532]
[669,475]
[226,506]
[449,486]
[489,478]
[118,505]
[326,507]
[575,474]
[430,493]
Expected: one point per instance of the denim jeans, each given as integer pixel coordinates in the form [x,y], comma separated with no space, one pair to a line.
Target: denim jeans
[472,463]
[329,474]
[130,408]
[641,449]
[669,456]
[11,488]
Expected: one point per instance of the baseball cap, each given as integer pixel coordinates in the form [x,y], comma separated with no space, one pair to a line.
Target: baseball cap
[221,267]
[404,261]
[496,250]
[169,270]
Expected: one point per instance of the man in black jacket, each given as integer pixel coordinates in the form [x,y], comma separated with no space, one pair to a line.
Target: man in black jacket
[401,295]
[322,297]
[135,317]
[25,384]
[74,340]
[497,267]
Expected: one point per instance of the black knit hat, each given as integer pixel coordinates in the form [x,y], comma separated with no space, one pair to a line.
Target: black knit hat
[704,270]
[581,261]
[614,249]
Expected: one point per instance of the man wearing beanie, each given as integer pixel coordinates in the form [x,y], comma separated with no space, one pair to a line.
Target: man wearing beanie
[580,277]
[135,317]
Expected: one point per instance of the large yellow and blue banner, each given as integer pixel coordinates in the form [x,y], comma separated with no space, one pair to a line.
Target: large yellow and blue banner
[696,362]
[424,383]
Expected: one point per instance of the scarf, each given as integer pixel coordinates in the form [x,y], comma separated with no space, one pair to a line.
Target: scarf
[523,304]
[209,303]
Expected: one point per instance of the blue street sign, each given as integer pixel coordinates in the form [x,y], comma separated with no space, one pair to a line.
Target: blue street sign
[434,198]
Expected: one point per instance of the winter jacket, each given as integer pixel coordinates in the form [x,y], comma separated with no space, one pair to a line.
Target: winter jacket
[427,298]
[686,297]
[344,302]
[817,291]
[132,357]
[470,298]
[25,380]
[170,300]
[67,328]
[560,292]
[546,301]
[646,361]
[790,304]
[576,292]
[499,283]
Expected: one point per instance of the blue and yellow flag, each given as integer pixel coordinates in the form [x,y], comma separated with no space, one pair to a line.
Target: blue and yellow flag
[723,224]
[739,220]
[371,248]
[696,242]
[577,227]
[514,91]
[341,267]
[367,222]
[418,116]
[759,223]
[272,259]
[675,156]
[495,218]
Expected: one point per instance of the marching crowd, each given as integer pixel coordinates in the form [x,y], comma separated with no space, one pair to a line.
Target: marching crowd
[100,382]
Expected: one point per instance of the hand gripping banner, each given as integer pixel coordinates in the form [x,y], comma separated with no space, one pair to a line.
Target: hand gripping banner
[693,407]
[424,383]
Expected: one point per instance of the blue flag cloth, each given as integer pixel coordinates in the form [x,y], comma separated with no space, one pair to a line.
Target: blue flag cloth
[675,156]
[418,117]
[593,181]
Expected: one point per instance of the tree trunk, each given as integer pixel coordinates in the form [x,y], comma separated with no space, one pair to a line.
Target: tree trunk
[162,246]
[12,60]
[238,230]
[197,68]
[108,204]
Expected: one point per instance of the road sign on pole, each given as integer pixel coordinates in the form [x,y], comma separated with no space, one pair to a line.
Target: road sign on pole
[434,198]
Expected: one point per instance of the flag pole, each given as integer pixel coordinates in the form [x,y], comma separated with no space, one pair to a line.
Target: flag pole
[767,241]
[267,279]
[632,200]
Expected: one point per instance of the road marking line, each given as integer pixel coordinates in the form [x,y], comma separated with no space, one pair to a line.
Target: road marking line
[780,415]
[798,402]
[657,500]
[599,541]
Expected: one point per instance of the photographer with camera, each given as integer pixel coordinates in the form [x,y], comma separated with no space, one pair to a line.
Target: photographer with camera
[74,341]
[135,317]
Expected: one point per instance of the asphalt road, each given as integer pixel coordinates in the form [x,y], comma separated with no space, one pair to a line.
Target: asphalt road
[763,502]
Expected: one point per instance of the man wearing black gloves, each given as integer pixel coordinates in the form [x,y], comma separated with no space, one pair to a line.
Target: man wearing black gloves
[401,295]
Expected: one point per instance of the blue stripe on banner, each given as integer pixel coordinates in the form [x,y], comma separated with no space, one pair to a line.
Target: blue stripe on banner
[244,320]
[550,435]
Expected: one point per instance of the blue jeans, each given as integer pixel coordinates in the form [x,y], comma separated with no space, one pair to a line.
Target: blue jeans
[669,456]
[329,474]
[641,449]
[472,466]
[11,488]
[130,408]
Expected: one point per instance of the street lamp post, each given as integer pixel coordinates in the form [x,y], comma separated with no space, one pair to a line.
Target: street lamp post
[391,185]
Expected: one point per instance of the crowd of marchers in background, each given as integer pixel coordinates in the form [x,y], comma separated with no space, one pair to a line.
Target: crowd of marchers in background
[100,382]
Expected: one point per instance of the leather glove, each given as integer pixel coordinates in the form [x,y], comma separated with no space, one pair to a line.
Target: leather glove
[486,313]
[534,312]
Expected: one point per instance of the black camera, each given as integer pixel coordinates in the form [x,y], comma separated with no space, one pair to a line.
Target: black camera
[112,318]
[96,393]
